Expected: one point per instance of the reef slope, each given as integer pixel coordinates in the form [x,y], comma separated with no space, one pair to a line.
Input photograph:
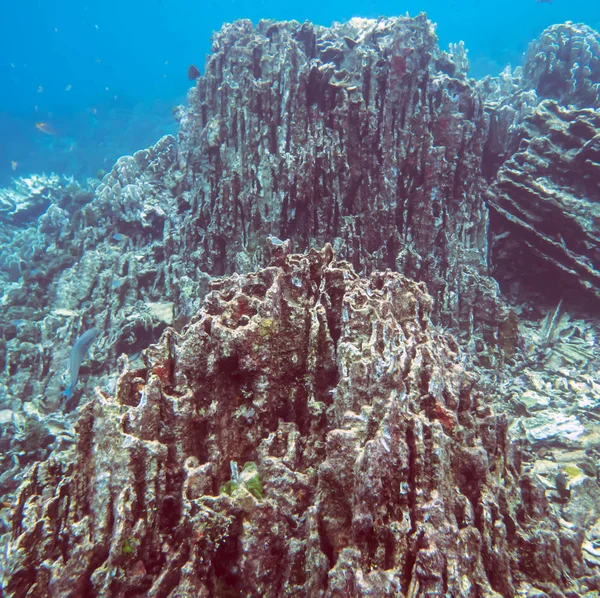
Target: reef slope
[374,465]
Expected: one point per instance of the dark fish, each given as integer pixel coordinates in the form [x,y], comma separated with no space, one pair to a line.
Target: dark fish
[194,73]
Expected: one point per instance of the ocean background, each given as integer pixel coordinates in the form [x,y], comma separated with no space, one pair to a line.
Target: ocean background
[106,75]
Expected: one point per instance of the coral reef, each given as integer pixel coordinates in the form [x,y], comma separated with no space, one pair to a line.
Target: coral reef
[564,64]
[315,425]
[364,135]
[30,197]
[68,270]
[374,143]
[548,193]
[382,470]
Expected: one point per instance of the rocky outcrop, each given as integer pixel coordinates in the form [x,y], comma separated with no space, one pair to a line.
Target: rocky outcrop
[305,430]
[548,194]
[364,135]
[92,258]
[542,164]
[564,64]
[373,464]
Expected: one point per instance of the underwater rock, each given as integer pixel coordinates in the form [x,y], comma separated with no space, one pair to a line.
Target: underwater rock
[508,104]
[307,419]
[90,259]
[548,196]
[374,465]
[364,134]
[564,64]
[30,196]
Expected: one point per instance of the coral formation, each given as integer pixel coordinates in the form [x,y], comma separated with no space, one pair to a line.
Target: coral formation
[564,64]
[30,197]
[314,426]
[380,155]
[548,193]
[383,471]
[364,135]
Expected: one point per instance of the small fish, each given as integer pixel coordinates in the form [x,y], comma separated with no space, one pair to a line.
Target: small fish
[193,73]
[12,65]
[78,353]
[64,312]
[14,165]
[119,237]
[68,87]
[40,89]
[544,1]
[45,128]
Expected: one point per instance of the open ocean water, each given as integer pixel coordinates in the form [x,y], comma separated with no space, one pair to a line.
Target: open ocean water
[101,78]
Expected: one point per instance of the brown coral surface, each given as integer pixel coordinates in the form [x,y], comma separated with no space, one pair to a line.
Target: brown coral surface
[548,192]
[375,466]
[364,135]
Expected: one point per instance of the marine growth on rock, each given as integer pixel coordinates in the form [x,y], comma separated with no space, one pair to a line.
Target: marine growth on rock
[382,470]
[346,332]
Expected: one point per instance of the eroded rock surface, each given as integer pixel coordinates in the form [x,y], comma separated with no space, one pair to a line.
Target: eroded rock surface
[548,193]
[364,135]
[376,466]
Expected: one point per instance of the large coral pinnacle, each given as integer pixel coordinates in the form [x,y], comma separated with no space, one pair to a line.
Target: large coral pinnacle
[383,471]
[365,135]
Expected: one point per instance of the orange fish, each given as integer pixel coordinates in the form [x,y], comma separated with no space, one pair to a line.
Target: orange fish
[45,128]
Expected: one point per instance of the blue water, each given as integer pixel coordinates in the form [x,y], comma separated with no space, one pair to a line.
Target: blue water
[106,75]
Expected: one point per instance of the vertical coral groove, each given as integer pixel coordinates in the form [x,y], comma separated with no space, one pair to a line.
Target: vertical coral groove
[363,457]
